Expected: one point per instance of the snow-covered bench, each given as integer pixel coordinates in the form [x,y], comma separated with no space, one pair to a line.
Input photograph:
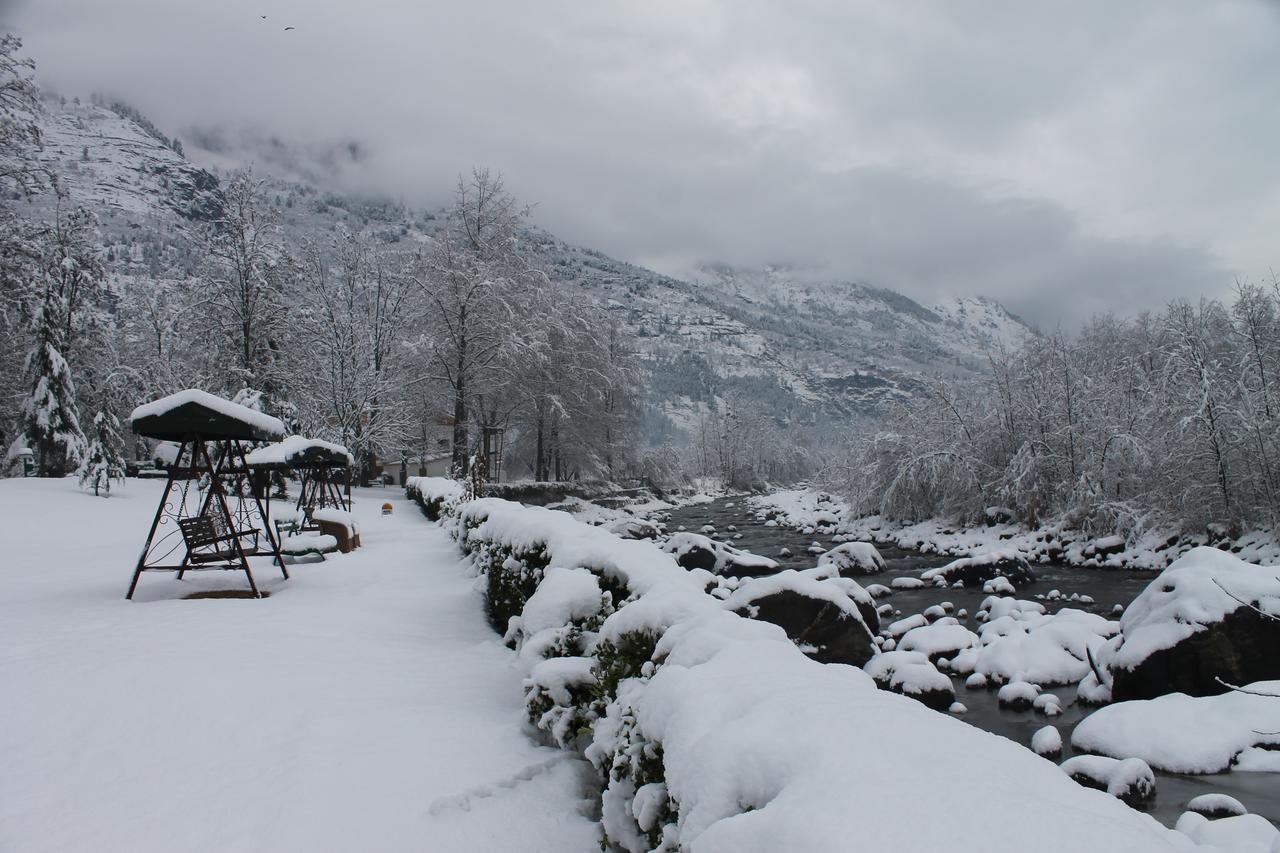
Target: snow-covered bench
[338,524]
[308,543]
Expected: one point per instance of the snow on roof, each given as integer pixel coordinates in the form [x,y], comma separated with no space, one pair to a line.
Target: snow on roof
[162,417]
[297,451]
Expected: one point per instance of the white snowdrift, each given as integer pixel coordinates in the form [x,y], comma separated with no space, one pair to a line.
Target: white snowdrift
[1183,734]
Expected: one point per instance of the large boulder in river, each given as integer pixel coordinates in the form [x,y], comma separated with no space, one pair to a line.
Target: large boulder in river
[1207,619]
[854,558]
[695,551]
[980,568]
[832,619]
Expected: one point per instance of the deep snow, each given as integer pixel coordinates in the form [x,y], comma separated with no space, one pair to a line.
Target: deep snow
[365,705]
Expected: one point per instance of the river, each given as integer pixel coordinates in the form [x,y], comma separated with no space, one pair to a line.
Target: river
[1259,792]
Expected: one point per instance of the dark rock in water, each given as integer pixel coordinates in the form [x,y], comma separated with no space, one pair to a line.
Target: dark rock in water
[1239,649]
[1214,806]
[635,528]
[694,551]
[1129,779]
[977,570]
[1207,619]
[828,633]
[912,675]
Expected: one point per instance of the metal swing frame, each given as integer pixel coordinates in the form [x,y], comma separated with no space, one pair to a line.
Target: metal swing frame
[222,534]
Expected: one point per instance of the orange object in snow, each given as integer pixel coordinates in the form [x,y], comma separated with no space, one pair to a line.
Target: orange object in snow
[386,509]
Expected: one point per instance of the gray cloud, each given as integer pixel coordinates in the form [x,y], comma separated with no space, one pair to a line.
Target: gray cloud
[1065,158]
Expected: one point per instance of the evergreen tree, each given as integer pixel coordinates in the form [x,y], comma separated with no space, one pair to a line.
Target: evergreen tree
[49,417]
[68,278]
[103,461]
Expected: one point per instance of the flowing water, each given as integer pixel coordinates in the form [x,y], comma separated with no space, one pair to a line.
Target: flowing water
[1259,792]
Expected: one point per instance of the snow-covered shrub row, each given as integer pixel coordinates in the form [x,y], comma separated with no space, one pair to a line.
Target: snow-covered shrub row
[435,495]
[715,732]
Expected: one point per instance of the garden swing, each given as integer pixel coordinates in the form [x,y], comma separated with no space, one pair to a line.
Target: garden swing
[209,508]
[323,469]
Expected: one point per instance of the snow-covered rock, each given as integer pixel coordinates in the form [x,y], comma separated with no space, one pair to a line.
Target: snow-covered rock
[878,590]
[1017,695]
[1209,616]
[854,558]
[1184,734]
[1247,833]
[1089,692]
[980,568]
[911,674]
[830,618]
[1024,643]
[1047,742]
[1216,805]
[1257,759]
[938,641]
[635,528]
[694,551]
[1130,779]
[907,583]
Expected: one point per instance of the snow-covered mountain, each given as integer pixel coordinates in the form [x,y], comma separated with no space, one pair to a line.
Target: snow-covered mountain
[122,167]
[802,346]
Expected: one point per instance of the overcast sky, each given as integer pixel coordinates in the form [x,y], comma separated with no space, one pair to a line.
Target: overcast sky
[1065,158]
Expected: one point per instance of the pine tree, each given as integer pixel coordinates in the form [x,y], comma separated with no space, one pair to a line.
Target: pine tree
[59,300]
[103,461]
[49,417]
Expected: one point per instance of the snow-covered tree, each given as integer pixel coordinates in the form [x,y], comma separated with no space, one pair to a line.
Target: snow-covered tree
[59,304]
[19,132]
[352,325]
[471,280]
[242,295]
[103,461]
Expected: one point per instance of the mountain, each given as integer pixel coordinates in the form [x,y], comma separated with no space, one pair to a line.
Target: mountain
[805,348]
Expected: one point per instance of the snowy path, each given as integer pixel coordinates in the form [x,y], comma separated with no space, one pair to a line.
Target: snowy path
[364,706]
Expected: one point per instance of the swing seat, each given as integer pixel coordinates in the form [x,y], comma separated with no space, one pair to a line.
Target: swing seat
[203,540]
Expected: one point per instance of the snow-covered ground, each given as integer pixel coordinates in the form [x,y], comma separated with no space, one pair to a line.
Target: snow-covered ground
[365,705]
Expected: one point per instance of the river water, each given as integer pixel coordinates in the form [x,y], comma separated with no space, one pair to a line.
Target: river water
[1259,792]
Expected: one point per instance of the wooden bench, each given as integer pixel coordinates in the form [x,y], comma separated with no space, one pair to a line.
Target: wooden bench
[203,539]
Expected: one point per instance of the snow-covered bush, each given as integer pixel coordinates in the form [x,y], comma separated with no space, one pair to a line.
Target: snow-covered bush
[435,495]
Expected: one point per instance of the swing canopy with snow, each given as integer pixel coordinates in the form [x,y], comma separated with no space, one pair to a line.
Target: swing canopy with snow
[210,516]
[321,465]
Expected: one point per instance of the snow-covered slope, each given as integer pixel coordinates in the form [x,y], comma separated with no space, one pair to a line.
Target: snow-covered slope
[120,169]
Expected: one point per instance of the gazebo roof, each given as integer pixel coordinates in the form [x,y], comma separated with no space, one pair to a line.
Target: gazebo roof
[299,452]
[193,412]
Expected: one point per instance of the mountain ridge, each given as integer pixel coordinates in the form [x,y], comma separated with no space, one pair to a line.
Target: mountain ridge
[808,349]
